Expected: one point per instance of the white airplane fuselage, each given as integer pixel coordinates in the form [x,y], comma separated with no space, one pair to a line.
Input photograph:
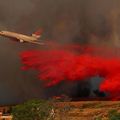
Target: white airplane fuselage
[18,36]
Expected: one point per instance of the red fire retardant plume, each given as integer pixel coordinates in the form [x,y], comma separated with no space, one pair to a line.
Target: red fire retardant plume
[55,66]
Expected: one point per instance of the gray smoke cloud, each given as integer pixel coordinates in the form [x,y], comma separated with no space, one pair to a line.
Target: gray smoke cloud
[64,21]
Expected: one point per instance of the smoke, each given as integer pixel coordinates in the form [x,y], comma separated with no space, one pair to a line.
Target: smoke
[81,21]
[63,21]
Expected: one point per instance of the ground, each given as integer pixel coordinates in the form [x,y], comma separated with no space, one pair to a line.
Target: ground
[88,110]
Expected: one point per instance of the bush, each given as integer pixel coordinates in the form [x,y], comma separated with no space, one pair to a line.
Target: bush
[32,110]
[114,115]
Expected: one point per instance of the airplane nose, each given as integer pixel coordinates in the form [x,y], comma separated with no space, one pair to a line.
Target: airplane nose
[1,32]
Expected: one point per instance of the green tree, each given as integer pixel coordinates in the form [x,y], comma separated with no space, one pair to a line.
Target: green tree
[114,115]
[32,110]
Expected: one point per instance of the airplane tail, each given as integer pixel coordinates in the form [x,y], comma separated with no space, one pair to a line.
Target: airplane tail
[38,33]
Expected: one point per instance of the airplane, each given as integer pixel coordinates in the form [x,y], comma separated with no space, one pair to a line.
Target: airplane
[23,38]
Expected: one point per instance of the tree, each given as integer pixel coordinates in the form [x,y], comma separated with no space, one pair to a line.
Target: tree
[32,110]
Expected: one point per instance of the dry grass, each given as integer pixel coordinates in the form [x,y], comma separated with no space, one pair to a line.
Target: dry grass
[86,110]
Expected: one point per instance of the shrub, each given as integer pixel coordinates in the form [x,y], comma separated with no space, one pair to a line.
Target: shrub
[114,115]
[32,110]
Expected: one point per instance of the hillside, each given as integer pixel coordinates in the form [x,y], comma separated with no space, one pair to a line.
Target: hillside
[89,110]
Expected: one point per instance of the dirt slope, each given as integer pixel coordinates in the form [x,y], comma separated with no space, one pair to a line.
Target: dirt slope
[88,110]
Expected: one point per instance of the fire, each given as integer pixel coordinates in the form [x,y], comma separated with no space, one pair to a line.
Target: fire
[59,65]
